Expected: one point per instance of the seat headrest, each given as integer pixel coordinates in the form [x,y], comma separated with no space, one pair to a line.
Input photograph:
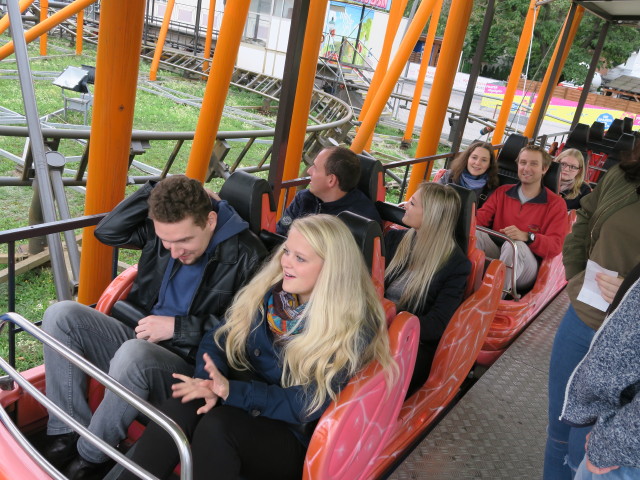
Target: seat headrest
[627,125]
[596,132]
[510,150]
[624,145]
[365,231]
[578,138]
[370,174]
[244,192]
[615,130]
[467,211]
[551,179]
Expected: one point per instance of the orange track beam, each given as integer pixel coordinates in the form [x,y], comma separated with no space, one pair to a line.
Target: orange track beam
[43,27]
[393,73]
[452,42]
[224,57]
[117,64]
[516,71]
[207,40]
[422,72]
[44,12]
[304,92]
[79,30]
[162,36]
[548,82]
[4,21]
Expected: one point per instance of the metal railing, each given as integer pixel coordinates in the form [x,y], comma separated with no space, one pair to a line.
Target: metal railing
[141,405]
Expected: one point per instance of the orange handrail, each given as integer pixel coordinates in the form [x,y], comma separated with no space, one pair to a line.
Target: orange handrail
[44,12]
[162,36]
[207,40]
[4,21]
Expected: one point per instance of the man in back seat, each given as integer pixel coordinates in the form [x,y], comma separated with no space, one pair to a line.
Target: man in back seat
[196,254]
[528,213]
[334,176]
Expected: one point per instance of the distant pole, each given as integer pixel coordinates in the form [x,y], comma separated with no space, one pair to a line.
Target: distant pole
[207,40]
[592,71]
[395,16]
[458,128]
[196,35]
[303,94]
[459,14]
[552,76]
[393,74]
[223,63]
[117,63]
[516,71]
[355,48]
[162,36]
[44,11]
[79,31]
[422,73]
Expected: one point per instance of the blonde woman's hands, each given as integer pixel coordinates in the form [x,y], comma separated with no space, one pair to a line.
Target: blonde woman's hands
[220,383]
[193,388]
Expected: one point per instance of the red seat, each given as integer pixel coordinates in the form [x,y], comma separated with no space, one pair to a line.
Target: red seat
[355,428]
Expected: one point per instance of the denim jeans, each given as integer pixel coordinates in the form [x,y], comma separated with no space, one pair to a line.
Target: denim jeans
[622,473]
[142,367]
[565,445]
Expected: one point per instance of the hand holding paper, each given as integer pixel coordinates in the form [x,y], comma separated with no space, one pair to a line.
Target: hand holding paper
[599,292]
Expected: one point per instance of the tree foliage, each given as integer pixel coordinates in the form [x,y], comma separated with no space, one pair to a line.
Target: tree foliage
[506,29]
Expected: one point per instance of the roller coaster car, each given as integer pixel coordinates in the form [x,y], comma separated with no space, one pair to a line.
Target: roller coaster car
[458,348]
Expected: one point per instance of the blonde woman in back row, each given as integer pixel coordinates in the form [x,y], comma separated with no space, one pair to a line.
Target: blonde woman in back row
[572,172]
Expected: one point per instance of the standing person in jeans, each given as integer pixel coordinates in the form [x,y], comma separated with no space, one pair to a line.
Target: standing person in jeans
[607,232]
[604,391]
[196,253]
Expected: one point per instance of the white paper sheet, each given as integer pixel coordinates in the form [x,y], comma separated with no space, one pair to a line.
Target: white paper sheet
[590,293]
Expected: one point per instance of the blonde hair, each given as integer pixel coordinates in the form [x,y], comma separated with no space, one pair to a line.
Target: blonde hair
[422,252]
[345,326]
[579,179]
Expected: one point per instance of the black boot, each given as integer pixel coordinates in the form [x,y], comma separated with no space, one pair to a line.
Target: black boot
[61,449]
[81,469]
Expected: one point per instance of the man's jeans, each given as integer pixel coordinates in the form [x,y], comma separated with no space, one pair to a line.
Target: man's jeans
[142,367]
[565,445]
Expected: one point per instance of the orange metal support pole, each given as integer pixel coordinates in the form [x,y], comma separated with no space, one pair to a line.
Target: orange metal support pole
[207,40]
[4,21]
[43,27]
[548,82]
[304,92]
[422,73]
[79,31]
[457,23]
[516,71]
[224,57]
[44,12]
[162,36]
[395,15]
[393,73]
[117,63]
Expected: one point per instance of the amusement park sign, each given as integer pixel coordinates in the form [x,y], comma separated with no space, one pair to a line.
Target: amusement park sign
[374,3]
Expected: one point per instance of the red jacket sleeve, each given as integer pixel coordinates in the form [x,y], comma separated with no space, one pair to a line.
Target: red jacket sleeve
[549,240]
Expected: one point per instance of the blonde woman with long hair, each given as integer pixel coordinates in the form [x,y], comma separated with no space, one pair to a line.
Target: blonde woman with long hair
[294,336]
[427,271]
[572,171]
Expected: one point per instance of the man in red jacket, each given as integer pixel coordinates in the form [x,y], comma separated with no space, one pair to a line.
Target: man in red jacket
[529,214]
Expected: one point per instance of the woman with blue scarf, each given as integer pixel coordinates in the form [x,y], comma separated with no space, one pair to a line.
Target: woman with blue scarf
[476,169]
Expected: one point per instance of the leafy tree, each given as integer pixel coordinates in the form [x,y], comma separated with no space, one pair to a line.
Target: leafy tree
[507,27]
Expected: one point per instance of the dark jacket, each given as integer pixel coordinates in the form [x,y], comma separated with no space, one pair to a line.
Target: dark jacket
[574,203]
[231,265]
[263,395]
[306,203]
[445,294]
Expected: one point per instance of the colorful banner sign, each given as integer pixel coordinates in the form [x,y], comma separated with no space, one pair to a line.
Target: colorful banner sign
[558,107]
[375,3]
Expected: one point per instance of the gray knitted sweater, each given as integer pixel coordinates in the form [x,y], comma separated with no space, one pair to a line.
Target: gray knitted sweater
[604,388]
